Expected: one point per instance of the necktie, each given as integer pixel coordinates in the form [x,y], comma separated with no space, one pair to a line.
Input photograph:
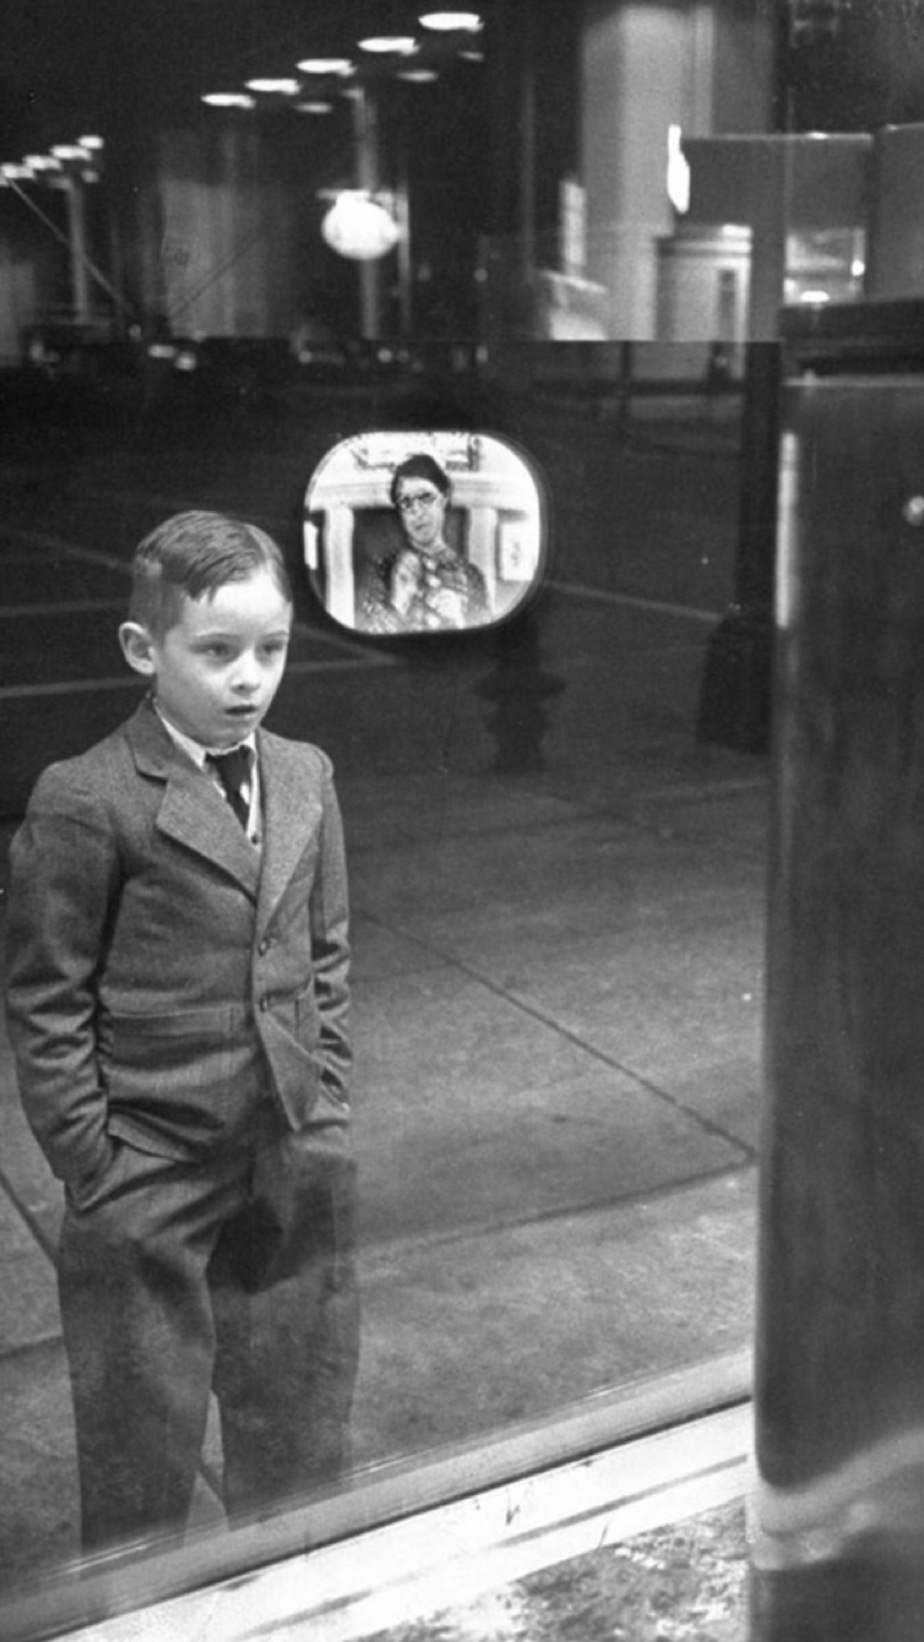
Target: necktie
[233,771]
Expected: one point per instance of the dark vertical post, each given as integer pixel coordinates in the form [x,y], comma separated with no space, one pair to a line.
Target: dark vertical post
[365,131]
[838,1510]
[527,199]
[735,702]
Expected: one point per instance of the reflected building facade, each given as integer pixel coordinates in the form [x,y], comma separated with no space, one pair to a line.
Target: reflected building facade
[535,174]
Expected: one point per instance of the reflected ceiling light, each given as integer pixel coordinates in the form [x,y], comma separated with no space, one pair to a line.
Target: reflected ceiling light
[325,65]
[279,87]
[70,151]
[399,45]
[314,108]
[229,99]
[453,22]
[94,143]
[472,56]
[418,76]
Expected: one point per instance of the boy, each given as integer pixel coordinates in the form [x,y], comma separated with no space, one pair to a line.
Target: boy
[177,1000]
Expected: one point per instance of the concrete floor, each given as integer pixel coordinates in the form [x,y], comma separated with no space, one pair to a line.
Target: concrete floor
[557,977]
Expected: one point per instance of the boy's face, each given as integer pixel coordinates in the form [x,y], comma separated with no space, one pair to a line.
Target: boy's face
[218,668]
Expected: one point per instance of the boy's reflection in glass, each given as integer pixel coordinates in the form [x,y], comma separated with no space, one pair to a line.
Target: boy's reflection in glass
[426,585]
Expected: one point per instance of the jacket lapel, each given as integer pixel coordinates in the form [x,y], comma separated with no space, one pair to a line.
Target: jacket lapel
[190,811]
[291,815]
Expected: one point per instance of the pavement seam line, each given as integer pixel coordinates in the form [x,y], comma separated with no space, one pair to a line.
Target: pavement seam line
[748,1153]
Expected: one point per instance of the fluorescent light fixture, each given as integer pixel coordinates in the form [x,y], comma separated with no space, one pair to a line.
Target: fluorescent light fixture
[398,45]
[325,65]
[815,298]
[453,22]
[278,87]
[678,171]
[15,173]
[418,76]
[69,151]
[229,99]
[314,108]
[472,56]
[93,143]
[42,162]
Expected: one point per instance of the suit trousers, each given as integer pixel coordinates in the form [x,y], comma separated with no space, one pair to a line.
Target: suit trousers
[234,1274]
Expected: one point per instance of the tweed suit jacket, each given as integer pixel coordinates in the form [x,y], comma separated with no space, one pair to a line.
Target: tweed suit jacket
[163,974]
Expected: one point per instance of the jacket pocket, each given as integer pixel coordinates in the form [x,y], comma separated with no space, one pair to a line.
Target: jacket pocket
[190,1073]
[158,1040]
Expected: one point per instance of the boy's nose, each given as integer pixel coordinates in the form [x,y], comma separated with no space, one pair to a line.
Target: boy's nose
[247,677]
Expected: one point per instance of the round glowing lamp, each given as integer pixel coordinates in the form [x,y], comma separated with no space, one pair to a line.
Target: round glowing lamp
[359,228]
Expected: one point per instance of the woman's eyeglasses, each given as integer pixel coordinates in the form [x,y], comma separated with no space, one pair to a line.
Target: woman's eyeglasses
[419,498]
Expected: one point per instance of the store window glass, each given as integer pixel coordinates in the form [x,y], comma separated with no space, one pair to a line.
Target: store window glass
[500,279]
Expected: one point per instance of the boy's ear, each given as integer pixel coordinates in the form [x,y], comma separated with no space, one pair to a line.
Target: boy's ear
[137,647]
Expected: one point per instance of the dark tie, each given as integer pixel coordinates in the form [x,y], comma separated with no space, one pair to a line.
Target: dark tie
[233,770]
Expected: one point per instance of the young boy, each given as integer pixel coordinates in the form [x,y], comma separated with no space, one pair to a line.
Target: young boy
[177,999]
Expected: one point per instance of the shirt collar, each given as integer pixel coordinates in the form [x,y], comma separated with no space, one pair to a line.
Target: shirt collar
[194,749]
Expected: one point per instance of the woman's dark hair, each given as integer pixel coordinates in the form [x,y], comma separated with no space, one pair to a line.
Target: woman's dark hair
[421,466]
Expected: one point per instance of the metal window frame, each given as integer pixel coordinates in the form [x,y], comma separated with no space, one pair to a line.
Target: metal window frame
[396,1540]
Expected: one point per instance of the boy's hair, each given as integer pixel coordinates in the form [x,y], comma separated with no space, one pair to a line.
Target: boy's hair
[191,556]
[420,466]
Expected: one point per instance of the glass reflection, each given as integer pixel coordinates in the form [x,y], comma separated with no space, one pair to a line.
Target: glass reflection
[423,533]
[554,892]
[554,962]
